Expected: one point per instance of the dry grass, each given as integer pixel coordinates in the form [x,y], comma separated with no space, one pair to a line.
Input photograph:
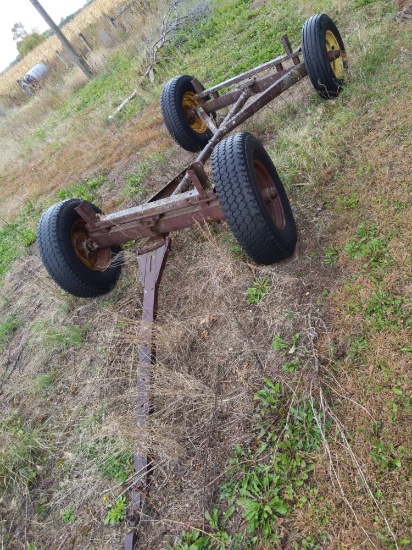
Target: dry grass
[212,354]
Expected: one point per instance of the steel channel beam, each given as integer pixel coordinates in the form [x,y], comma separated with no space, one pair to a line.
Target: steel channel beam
[151,266]
[157,218]
[256,86]
[240,77]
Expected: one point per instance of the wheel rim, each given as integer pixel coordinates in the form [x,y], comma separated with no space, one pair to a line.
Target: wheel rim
[94,259]
[189,104]
[332,44]
[269,194]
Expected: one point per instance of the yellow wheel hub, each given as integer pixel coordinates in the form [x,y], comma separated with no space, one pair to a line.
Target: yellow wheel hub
[189,104]
[333,44]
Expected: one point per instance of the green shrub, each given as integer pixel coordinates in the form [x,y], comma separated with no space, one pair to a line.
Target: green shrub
[30,42]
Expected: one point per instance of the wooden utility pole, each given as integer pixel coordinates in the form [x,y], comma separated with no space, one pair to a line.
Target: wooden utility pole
[71,51]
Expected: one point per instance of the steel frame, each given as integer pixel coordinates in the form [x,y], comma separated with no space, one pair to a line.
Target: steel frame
[175,207]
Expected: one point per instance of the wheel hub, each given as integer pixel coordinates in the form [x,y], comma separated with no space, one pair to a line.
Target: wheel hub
[269,194]
[332,44]
[189,104]
[96,259]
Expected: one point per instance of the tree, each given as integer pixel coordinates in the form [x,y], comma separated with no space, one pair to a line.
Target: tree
[18,30]
[29,42]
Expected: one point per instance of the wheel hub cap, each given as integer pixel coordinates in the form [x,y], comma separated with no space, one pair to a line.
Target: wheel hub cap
[189,104]
[332,44]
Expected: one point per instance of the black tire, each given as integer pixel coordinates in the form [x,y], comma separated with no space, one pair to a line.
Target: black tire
[60,234]
[242,172]
[320,35]
[189,131]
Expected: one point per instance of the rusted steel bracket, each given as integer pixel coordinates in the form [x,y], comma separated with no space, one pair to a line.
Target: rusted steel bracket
[89,215]
[206,119]
[288,50]
[151,266]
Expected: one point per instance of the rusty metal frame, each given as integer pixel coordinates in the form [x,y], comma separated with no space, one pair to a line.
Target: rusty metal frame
[151,266]
[176,207]
[173,207]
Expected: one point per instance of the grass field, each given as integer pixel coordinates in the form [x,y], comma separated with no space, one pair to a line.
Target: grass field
[282,399]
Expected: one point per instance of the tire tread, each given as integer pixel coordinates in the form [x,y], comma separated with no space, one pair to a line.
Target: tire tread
[242,206]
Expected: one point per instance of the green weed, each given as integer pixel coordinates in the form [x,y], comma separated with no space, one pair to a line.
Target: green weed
[228,240]
[129,244]
[331,255]
[133,187]
[195,539]
[259,289]
[289,348]
[348,202]
[279,344]
[43,507]
[384,456]
[118,465]
[86,190]
[40,134]
[111,460]
[384,311]
[60,337]
[43,382]
[14,238]
[368,245]
[291,366]
[7,328]
[68,515]
[357,347]
[263,479]
[22,454]
[117,512]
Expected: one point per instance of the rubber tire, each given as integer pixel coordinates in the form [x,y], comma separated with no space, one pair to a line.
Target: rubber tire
[242,204]
[320,72]
[60,260]
[174,117]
